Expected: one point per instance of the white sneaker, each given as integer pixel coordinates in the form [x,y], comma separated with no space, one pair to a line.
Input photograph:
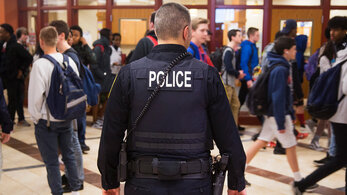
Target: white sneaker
[315,146]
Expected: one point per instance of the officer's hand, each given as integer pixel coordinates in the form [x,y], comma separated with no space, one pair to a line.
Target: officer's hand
[5,137]
[235,192]
[249,83]
[111,191]
[282,131]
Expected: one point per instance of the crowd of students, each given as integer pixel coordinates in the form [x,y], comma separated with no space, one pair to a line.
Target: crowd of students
[239,71]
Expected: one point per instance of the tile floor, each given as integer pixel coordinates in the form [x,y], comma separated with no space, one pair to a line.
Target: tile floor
[24,172]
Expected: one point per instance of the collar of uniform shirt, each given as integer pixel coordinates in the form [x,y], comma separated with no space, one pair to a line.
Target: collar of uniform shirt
[167,48]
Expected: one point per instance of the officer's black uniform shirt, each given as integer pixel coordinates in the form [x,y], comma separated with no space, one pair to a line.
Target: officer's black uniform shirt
[197,102]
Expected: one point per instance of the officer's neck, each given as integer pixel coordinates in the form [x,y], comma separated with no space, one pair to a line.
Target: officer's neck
[170,41]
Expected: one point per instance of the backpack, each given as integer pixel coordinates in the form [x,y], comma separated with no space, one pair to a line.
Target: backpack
[217,58]
[66,99]
[323,99]
[154,41]
[90,87]
[257,99]
[311,66]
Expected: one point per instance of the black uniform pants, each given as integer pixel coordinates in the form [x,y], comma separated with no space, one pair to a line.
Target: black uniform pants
[243,92]
[15,92]
[136,186]
[335,164]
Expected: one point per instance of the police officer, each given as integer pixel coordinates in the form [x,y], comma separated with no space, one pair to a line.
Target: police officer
[169,150]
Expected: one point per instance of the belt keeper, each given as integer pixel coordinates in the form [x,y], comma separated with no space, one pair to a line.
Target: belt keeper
[155,164]
[184,167]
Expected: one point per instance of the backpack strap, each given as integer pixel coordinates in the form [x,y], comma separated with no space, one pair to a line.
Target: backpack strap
[101,47]
[250,62]
[154,41]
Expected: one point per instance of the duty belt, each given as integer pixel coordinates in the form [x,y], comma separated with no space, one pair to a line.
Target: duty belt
[153,168]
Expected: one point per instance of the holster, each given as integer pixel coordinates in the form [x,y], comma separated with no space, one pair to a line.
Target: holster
[218,176]
[122,164]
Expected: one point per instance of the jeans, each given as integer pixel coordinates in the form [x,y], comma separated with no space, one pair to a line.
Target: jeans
[48,139]
[233,101]
[332,146]
[78,156]
[15,91]
[81,127]
[338,162]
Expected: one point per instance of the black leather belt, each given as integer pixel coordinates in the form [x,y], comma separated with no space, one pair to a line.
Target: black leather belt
[154,168]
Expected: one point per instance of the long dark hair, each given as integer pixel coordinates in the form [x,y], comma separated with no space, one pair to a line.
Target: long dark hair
[329,51]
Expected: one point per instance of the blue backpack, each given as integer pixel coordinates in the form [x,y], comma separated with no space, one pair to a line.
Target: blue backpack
[323,99]
[66,99]
[90,87]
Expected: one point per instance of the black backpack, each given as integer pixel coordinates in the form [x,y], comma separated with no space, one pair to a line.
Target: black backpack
[217,58]
[257,99]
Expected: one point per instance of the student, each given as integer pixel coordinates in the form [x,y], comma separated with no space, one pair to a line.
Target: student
[278,122]
[231,72]
[199,37]
[116,55]
[338,30]
[14,64]
[60,133]
[64,48]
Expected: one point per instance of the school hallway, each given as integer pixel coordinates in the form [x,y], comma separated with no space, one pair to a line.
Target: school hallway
[24,172]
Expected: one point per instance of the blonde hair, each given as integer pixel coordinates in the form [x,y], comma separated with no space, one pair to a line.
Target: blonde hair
[197,21]
[49,36]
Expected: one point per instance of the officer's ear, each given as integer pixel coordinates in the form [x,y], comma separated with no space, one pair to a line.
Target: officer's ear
[187,33]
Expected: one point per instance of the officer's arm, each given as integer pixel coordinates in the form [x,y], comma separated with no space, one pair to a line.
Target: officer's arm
[115,123]
[224,131]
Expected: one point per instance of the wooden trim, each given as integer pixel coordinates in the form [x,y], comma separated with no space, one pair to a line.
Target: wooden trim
[239,6]
[158,4]
[69,12]
[326,16]
[109,5]
[296,7]
[133,7]
[24,9]
[267,17]
[199,6]
[337,7]
[211,12]
[89,7]
[53,8]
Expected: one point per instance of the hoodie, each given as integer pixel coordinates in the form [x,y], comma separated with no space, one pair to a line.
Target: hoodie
[341,113]
[102,52]
[279,94]
[246,51]
[143,47]
[301,44]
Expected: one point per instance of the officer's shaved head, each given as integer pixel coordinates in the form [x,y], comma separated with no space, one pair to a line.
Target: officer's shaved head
[170,20]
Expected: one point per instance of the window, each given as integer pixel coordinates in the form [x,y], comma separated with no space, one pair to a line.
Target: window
[32,15]
[91,22]
[187,2]
[240,2]
[339,2]
[338,13]
[134,2]
[91,2]
[54,2]
[227,19]
[296,2]
[50,15]
[27,3]
[198,13]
